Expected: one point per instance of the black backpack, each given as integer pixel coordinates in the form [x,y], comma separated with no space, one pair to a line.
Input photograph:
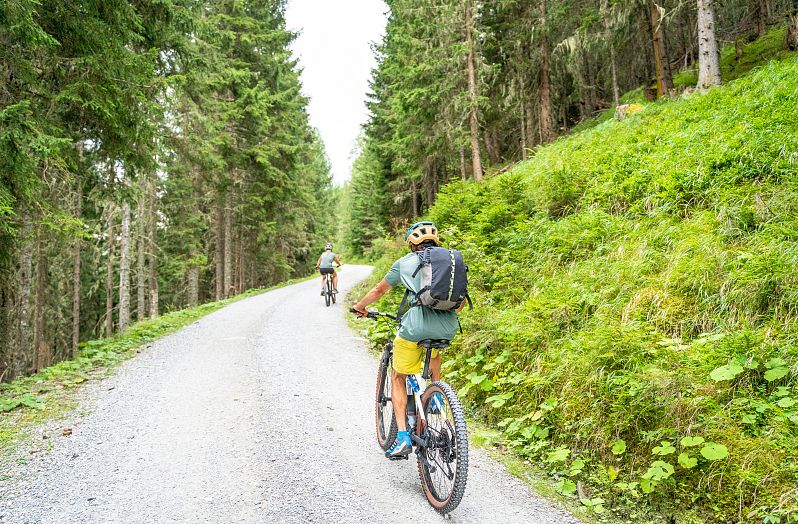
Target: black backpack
[444,280]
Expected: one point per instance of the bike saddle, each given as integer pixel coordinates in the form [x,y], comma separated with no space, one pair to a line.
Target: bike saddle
[435,343]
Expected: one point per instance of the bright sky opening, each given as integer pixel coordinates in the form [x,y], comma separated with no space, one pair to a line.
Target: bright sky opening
[334,50]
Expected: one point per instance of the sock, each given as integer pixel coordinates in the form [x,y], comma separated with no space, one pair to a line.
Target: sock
[403,435]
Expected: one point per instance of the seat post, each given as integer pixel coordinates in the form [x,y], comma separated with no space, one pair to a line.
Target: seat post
[427,357]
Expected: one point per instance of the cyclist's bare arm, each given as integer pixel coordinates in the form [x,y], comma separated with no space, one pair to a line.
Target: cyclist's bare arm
[337,259]
[372,296]
[318,262]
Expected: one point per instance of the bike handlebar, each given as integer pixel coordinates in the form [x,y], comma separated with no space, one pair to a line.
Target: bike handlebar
[374,314]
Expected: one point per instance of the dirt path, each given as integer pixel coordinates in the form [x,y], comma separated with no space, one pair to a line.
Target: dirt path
[260,412]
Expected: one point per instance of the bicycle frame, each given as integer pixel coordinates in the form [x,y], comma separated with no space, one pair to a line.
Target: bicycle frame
[421,418]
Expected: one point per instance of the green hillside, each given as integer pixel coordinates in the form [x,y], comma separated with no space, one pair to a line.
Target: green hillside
[636,319]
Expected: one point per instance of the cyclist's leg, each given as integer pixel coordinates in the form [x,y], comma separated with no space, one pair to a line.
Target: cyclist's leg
[435,367]
[335,280]
[399,399]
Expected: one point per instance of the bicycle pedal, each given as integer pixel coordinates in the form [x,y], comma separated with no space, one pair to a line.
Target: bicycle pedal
[400,457]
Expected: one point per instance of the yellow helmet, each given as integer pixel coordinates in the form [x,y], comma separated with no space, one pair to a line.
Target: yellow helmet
[421,231]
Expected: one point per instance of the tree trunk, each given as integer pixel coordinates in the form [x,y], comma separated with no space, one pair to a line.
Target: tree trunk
[761,17]
[152,250]
[791,40]
[124,269]
[546,125]
[523,130]
[463,174]
[616,96]
[193,286]
[662,68]
[109,275]
[228,248]
[24,328]
[529,113]
[43,350]
[414,197]
[141,247]
[76,274]
[476,161]
[242,261]
[490,145]
[708,57]
[219,249]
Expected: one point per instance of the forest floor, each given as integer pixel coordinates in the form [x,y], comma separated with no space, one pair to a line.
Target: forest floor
[259,412]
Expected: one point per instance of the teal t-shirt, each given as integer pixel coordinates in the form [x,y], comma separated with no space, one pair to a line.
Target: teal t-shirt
[327,259]
[420,323]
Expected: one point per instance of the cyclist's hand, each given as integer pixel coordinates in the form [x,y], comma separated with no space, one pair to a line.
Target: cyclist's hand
[362,313]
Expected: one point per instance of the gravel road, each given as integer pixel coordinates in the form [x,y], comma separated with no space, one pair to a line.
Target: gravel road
[260,412]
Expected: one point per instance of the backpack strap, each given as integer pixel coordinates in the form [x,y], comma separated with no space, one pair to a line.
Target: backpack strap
[402,304]
[470,304]
[421,262]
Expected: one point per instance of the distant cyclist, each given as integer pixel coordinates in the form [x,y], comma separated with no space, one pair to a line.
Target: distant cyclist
[325,266]
[418,323]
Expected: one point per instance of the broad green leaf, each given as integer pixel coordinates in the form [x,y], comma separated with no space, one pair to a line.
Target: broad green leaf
[659,470]
[566,486]
[665,448]
[776,373]
[647,485]
[612,473]
[686,461]
[549,404]
[619,447]
[558,455]
[782,391]
[478,379]
[786,402]
[689,442]
[775,363]
[713,451]
[727,372]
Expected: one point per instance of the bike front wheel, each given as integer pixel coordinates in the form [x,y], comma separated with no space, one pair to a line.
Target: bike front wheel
[384,414]
[443,463]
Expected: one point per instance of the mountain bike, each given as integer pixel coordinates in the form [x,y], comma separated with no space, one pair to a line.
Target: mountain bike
[438,432]
[328,291]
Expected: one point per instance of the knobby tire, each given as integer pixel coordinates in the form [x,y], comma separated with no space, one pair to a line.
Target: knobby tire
[327,291]
[384,411]
[456,450]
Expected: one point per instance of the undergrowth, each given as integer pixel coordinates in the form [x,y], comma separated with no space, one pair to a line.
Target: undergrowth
[635,330]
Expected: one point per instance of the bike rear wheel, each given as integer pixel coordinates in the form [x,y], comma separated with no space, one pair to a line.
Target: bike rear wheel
[327,291]
[331,288]
[384,415]
[443,463]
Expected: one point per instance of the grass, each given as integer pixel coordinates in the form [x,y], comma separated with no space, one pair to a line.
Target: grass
[30,401]
[636,320]
[769,46]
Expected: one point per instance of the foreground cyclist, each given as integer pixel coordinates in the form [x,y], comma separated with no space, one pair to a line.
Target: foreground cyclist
[419,323]
[325,266]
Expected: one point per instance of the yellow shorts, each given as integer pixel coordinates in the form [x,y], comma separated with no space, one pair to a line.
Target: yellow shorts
[408,357]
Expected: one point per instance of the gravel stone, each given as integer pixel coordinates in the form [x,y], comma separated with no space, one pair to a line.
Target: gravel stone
[260,412]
